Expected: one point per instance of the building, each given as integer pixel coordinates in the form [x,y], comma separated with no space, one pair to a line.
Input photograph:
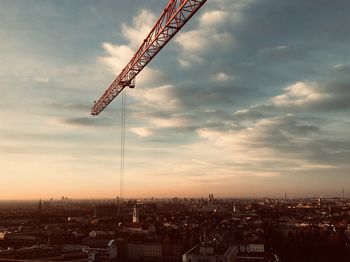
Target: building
[101,249]
[210,254]
[251,252]
[135,215]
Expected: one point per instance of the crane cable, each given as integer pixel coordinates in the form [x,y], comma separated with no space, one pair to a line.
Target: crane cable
[122,147]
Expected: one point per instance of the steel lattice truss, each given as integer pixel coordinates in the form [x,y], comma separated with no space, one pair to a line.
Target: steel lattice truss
[174,17]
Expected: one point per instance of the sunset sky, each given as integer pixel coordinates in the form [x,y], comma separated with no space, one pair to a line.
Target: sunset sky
[250,99]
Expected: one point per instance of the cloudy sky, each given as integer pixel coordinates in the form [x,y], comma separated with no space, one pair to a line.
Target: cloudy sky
[250,99]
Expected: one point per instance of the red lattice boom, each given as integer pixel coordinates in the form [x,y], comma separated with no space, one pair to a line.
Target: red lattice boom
[174,17]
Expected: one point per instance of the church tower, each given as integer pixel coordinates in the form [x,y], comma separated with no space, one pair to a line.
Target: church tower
[135,215]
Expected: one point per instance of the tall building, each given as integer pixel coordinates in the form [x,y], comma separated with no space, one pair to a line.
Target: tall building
[118,206]
[40,208]
[211,199]
[135,215]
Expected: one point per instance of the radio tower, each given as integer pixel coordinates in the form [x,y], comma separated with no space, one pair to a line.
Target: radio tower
[175,15]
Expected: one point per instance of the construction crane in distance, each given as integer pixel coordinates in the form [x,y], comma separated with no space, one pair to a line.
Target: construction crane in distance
[174,17]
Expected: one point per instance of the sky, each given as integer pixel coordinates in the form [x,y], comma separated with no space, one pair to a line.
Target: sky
[250,99]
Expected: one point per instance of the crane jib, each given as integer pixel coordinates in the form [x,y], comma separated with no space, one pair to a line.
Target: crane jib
[174,17]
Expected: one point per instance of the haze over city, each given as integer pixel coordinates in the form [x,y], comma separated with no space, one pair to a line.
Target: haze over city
[250,99]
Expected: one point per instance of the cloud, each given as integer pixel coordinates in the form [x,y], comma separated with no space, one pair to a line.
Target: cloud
[142,131]
[84,121]
[161,121]
[159,109]
[341,68]
[225,13]
[214,18]
[213,32]
[276,135]
[261,133]
[301,94]
[174,121]
[70,106]
[223,77]
[172,110]
[190,59]
[249,113]
[277,50]
[43,80]
[200,41]
[117,56]
[138,31]
[304,96]
[162,97]
[284,142]
[210,95]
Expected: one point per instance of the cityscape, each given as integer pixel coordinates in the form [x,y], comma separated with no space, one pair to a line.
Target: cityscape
[174,131]
[176,229]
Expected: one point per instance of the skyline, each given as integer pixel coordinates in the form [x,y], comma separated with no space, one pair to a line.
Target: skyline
[250,99]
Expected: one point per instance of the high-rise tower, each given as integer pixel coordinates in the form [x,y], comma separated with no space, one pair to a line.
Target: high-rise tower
[39,207]
[135,215]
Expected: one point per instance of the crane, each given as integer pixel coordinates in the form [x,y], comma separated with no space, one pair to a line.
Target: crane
[175,15]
